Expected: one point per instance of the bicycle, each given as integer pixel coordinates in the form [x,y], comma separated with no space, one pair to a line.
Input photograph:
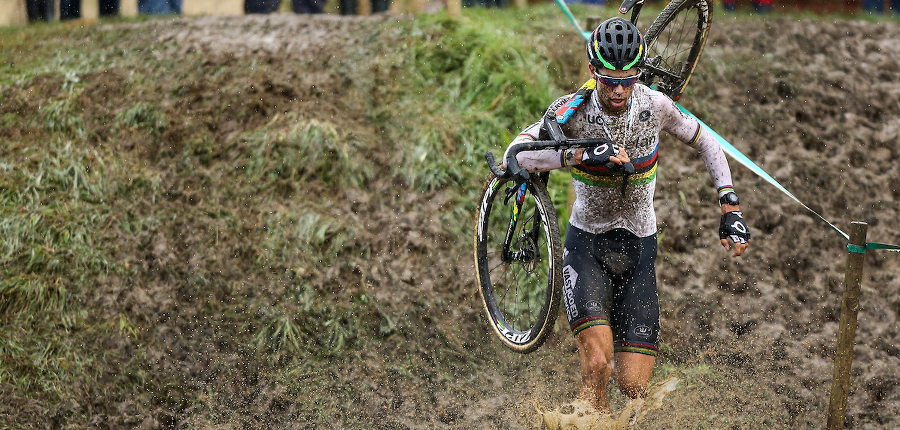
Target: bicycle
[518,252]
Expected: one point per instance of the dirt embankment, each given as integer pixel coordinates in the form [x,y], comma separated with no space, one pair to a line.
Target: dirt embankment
[814,103]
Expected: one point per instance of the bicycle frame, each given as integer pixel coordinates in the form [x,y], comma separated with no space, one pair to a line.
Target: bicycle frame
[508,256]
[635,7]
[521,176]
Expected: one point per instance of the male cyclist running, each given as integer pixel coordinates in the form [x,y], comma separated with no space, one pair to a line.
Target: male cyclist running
[609,273]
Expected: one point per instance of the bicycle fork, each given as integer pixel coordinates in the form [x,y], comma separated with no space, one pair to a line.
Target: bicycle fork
[528,254]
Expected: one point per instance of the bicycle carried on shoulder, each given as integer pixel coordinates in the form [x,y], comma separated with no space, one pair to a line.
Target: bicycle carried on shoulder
[518,249]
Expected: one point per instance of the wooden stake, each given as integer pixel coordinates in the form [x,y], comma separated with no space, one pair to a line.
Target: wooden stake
[840,385]
[364,7]
[454,8]
[13,12]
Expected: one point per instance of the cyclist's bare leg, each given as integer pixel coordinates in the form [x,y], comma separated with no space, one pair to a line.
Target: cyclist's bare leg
[632,372]
[595,346]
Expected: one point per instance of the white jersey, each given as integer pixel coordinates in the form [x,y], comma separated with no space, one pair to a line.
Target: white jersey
[599,204]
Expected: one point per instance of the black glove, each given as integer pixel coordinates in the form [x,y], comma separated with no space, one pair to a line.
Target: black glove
[733,227]
[599,156]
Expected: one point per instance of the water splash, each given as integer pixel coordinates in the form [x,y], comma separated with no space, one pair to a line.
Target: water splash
[585,417]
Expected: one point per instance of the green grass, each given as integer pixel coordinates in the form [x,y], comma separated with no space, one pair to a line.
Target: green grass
[118,219]
[309,150]
[80,212]
[144,116]
[154,259]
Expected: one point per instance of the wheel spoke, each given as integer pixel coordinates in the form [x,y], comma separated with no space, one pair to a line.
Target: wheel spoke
[516,287]
[676,40]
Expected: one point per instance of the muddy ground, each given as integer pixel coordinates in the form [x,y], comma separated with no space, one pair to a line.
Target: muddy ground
[814,102]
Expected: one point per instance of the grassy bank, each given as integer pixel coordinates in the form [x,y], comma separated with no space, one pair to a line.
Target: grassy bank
[172,243]
[225,232]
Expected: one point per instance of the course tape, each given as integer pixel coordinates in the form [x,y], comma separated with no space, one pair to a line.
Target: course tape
[862,249]
[562,5]
[856,249]
[741,158]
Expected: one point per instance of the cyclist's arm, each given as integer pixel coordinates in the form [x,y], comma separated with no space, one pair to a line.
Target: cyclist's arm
[548,159]
[544,160]
[689,131]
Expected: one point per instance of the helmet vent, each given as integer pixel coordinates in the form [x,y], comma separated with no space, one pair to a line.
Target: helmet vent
[616,44]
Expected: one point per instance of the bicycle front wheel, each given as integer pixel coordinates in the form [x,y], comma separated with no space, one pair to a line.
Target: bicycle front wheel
[518,257]
[675,41]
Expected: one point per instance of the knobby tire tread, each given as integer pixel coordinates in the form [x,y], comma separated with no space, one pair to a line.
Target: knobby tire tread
[666,17]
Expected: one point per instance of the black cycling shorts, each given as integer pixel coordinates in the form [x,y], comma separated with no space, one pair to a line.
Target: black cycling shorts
[610,279]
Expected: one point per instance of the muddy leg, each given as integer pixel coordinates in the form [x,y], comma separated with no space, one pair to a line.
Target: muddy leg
[632,372]
[595,350]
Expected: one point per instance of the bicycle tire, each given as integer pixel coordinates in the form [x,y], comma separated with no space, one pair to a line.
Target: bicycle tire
[520,295]
[675,41]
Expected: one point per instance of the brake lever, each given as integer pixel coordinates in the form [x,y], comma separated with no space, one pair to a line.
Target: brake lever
[513,170]
[627,170]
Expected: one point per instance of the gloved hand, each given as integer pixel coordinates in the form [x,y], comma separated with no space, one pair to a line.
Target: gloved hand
[599,156]
[733,227]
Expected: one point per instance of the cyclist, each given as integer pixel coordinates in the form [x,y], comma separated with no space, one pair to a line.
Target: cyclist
[609,274]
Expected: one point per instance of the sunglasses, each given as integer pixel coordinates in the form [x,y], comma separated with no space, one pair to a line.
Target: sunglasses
[614,82]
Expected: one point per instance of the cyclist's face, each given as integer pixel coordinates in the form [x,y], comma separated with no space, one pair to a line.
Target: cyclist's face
[614,100]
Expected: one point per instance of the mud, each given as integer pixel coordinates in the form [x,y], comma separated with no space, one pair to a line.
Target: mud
[580,415]
[814,103]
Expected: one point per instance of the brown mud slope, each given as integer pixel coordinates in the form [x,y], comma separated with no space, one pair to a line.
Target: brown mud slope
[814,103]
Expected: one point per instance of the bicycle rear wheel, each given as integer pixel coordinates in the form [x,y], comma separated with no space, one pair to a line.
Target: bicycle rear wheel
[518,257]
[675,41]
